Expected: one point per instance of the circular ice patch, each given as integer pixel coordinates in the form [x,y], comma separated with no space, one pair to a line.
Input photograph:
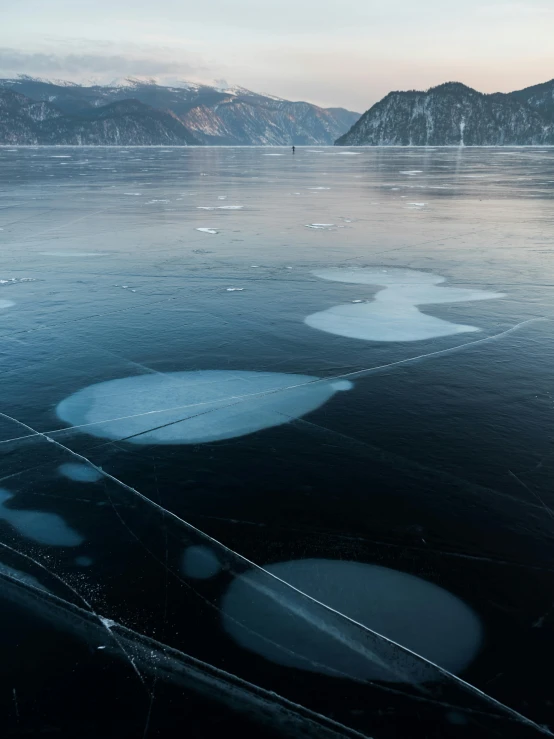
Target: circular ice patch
[200,563]
[410,611]
[194,407]
[79,472]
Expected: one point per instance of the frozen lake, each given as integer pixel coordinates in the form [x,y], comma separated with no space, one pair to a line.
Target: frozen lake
[276,440]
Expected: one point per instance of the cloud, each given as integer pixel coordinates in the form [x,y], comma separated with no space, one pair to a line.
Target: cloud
[79,66]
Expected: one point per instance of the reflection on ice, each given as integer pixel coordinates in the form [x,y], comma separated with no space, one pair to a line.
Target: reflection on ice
[410,611]
[393,314]
[6,304]
[200,562]
[194,407]
[44,528]
[80,472]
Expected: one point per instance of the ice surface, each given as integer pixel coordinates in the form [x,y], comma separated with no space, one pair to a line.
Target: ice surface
[193,407]
[393,314]
[207,230]
[68,253]
[431,477]
[44,528]
[18,576]
[6,304]
[408,610]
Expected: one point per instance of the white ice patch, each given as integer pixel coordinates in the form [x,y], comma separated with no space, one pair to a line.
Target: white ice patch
[6,304]
[318,188]
[14,280]
[194,407]
[79,472]
[207,230]
[278,624]
[319,225]
[234,289]
[43,528]
[392,314]
[411,171]
[220,207]
[200,563]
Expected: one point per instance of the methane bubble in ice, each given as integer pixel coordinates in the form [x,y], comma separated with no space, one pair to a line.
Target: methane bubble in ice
[44,528]
[392,314]
[410,611]
[79,472]
[200,563]
[194,407]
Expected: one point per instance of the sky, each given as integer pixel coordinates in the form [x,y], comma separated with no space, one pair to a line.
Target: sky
[347,53]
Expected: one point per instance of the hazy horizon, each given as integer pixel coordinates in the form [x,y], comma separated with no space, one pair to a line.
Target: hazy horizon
[335,56]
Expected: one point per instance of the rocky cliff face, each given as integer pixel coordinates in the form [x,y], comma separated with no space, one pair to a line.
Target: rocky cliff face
[453,115]
[24,121]
[211,115]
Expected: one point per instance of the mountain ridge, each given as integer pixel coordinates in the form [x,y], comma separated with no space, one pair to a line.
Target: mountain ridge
[454,114]
[210,115]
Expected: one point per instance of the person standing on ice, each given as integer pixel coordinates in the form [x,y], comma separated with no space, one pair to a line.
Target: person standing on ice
[293,149]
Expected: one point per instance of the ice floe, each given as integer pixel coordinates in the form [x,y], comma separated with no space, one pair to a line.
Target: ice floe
[392,314]
[319,225]
[194,407]
[207,230]
[41,527]
[280,625]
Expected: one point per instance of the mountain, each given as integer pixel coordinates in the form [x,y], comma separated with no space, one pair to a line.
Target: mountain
[539,97]
[453,114]
[126,123]
[232,116]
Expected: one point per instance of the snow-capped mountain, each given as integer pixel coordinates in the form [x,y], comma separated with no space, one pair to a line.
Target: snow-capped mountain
[453,114]
[26,121]
[211,115]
